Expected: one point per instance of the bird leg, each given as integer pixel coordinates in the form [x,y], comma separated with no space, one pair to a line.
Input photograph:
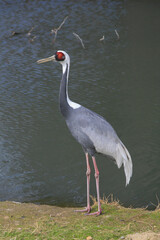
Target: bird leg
[97,187]
[88,172]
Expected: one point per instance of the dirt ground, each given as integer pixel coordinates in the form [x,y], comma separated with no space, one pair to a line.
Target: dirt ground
[144,236]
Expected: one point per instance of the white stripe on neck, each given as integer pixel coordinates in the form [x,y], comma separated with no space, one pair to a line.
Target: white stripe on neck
[71,103]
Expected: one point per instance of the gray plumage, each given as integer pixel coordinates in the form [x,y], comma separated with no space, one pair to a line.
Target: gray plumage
[91,130]
[96,135]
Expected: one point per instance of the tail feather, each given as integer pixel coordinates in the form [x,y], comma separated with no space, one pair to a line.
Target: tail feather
[123,157]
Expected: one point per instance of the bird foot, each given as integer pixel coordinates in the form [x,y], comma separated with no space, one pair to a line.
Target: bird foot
[99,212]
[87,209]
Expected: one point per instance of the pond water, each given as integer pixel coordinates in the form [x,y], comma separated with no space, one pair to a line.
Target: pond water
[118,77]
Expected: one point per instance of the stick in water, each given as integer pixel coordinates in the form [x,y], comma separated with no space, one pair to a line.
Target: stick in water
[78,37]
[55,31]
[102,39]
[117,34]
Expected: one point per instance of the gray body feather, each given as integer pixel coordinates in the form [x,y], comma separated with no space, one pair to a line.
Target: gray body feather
[96,135]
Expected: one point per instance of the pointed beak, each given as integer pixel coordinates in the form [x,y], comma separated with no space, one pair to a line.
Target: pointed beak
[52,58]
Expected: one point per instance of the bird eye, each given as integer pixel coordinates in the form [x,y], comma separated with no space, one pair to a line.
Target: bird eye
[60,56]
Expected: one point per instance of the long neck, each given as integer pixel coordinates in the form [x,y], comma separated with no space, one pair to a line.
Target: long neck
[63,95]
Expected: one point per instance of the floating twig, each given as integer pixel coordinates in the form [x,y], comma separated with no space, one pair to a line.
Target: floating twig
[80,39]
[29,33]
[55,31]
[117,34]
[62,23]
[32,39]
[102,39]
[13,33]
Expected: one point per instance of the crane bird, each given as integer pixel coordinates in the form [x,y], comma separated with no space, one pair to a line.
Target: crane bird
[91,130]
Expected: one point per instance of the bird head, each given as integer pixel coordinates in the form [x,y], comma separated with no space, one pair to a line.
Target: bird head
[60,56]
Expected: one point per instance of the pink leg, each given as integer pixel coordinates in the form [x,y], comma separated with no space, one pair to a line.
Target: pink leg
[97,187]
[88,172]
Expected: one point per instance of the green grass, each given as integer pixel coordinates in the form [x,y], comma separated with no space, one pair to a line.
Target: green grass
[29,221]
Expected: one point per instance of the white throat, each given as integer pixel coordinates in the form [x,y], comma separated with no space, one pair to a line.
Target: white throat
[64,66]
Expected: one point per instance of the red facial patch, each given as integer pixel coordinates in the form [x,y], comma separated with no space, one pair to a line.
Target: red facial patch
[60,56]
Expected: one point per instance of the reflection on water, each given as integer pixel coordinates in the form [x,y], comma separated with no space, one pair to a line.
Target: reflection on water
[117,78]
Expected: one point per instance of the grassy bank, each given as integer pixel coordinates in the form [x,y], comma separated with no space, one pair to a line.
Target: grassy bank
[28,221]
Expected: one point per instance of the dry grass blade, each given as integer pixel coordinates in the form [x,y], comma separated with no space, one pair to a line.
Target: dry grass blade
[146,223]
[112,200]
[80,39]
[158,206]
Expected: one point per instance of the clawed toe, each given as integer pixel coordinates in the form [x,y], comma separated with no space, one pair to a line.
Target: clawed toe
[94,213]
[87,209]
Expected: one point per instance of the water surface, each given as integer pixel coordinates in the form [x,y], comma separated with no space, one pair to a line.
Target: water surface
[117,78]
